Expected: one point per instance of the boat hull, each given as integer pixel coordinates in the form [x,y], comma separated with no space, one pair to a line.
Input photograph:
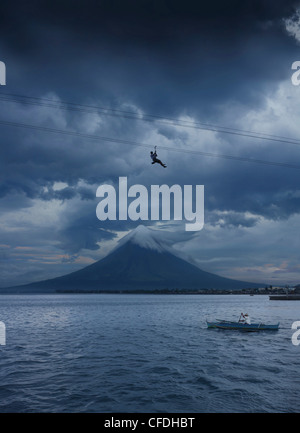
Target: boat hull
[243,326]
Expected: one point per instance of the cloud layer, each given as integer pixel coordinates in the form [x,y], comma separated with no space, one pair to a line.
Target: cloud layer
[228,66]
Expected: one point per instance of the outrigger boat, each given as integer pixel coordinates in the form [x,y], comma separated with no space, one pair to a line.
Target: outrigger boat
[250,327]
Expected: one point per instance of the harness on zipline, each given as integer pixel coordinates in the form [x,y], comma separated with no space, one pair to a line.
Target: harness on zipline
[154,158]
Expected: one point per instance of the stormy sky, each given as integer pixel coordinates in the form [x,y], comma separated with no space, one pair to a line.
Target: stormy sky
[118,70]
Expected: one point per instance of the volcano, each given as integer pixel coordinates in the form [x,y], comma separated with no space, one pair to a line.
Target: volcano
[140,262]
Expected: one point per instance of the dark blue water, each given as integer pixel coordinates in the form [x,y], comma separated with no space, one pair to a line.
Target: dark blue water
[146,353]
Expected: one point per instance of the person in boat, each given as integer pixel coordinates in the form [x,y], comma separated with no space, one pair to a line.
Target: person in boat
[155,159]
[244,318]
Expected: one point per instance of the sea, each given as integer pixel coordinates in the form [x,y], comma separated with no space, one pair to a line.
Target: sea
[146,353]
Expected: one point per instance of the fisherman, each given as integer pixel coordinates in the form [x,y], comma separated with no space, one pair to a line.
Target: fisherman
[244,318]
[155,159]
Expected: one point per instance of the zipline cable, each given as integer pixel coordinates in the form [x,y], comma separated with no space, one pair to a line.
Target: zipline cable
[134,143]
[50,103]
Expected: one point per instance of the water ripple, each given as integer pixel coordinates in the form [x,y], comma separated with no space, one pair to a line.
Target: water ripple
[104,353]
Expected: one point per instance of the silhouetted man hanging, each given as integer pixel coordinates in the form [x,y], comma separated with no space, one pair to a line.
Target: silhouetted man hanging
[155,159]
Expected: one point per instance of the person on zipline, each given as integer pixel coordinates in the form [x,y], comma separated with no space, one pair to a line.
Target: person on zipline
[155,159]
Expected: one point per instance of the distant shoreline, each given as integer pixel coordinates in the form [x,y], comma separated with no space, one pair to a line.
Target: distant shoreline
[274,294]
[175,292]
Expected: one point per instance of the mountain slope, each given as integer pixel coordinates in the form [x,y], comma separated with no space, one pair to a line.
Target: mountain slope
[140,262]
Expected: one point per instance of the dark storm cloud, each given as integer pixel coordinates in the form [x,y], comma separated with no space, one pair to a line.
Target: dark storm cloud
[82,233]
[148,23]
[165,56]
